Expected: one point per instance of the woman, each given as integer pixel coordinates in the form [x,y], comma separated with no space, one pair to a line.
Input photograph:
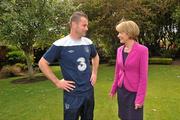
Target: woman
[131,73]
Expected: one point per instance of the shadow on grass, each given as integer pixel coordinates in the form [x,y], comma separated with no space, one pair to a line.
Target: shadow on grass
[26,80]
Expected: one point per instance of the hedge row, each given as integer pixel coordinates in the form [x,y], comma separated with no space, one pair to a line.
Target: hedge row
[163,61]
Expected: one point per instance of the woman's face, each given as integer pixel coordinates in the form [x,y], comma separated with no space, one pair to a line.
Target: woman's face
[123,37]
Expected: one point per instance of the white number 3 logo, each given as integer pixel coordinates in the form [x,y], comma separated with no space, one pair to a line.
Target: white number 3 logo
[82,65]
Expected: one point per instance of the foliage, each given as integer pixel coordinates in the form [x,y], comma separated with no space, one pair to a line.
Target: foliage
[37,23]
[17,69]
[26,24]
[112,62]
[168,53]
[164,61]
[22,66]
[176,18]
[15,55]
[155,19]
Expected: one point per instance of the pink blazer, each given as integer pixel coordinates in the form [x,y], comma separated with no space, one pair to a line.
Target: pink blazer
[134,73]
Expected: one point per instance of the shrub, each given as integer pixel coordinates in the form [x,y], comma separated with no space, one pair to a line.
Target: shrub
[112,62]
[3,59]
[22,66]
[168,53]
[14,70]
[165,61]
[10,71]
[16,57]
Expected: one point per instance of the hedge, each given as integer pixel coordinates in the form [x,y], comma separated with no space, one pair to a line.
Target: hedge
[164,61]
[155,60]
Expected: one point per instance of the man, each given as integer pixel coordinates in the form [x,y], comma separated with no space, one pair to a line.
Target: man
[74,53]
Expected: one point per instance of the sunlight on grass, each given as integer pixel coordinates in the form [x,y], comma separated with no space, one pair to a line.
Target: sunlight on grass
[43,101]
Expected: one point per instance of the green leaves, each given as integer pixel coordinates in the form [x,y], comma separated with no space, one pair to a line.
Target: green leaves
[29,23]
[25,21]
[153,17]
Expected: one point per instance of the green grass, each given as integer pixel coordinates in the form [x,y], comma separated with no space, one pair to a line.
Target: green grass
[43,101]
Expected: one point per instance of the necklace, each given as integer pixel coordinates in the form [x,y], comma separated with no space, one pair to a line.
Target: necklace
[127,50]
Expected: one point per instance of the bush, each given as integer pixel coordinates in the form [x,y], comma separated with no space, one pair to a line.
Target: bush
[168,53]
[22,66]
[16,57]
[10,71]
[14,70]
[165,61]
[3,59]
[112,62]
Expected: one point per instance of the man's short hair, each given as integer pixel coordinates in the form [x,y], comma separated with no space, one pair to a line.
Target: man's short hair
[75,17]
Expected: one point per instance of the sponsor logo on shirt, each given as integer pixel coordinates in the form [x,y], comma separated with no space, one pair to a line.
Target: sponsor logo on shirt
[67,106]
[86,49]
[71,51]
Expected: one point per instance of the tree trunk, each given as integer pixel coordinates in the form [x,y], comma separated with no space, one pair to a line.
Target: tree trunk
[29,60]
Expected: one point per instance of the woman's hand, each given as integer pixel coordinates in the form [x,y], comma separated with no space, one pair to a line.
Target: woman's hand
[137,106]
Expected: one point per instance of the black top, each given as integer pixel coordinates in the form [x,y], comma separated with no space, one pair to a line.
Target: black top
[124,55]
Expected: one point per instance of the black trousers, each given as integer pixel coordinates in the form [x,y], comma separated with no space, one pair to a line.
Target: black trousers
[76,106]
[126,105]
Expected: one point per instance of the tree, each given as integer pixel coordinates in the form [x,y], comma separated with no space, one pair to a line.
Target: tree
[27,23]
[176,18]
[153,17]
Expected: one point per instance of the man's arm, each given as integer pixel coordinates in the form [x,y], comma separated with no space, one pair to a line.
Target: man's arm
[95,65]
[62,84]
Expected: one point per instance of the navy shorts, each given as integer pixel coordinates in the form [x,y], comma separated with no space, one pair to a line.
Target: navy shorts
[76,106]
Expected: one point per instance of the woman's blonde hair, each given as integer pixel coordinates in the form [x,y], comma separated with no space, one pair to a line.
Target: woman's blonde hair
[129,27]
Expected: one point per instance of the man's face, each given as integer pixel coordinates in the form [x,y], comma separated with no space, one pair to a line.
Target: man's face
[81,27]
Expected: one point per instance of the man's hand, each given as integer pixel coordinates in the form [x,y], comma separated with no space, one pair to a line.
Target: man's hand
[95,65]
[65,85]
[93,79]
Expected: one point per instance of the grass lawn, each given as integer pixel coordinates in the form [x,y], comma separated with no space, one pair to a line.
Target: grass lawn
[42,101]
